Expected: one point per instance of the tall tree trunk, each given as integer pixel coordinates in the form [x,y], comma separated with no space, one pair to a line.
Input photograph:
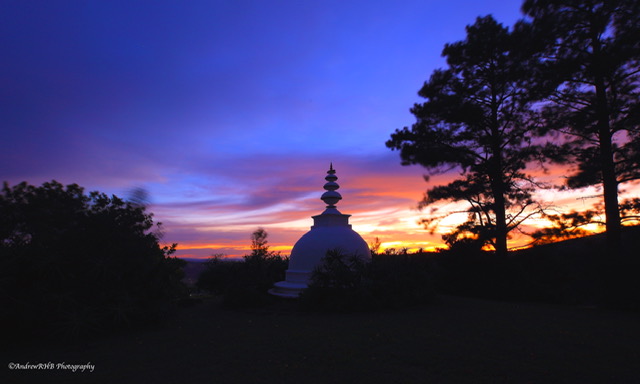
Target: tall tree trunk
[607,164]
[497,183]
[498,191]
[609,179]
[501,219]
[610,267]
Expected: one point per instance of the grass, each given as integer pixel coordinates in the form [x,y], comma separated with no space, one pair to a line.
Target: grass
[455,340]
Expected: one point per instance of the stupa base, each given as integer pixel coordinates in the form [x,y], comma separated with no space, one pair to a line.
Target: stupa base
[287,289]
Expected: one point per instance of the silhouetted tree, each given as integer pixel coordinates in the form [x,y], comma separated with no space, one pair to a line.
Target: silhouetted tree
[477,120]
[374,246]
[259,242]
[79,263]
[593,51]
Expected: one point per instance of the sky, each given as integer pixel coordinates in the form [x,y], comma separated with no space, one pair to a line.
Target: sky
[229,113]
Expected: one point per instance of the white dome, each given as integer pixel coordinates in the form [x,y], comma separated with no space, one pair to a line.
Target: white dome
[313,245]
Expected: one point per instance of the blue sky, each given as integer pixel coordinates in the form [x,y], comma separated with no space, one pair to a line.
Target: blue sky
[227,112]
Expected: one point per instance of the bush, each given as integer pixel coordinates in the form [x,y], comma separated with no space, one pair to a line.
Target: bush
[484,274]
[243,283]
[217,275]
[73,264]
[346,283]
[340,283]
[404,279]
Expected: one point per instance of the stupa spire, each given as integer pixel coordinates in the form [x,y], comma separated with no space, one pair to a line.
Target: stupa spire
[331,197]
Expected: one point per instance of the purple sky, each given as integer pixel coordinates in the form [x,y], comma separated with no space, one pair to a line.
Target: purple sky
[227,112]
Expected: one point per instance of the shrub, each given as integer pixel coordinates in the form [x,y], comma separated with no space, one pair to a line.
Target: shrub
[404,279]
[74,264]
[217,275]
[347,283]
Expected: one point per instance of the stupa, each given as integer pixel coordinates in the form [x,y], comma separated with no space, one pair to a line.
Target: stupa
[330,231]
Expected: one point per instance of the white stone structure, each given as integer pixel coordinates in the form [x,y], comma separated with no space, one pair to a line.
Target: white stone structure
[331,230]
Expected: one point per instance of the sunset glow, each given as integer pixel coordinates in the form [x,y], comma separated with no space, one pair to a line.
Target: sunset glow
[229,113]
[379,211]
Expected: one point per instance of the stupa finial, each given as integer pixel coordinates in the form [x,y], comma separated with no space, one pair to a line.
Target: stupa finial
[331,197]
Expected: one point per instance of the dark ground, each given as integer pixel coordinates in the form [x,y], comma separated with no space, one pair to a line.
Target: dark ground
[455,340]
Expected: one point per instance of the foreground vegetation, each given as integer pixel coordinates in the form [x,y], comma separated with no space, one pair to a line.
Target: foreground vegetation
[74,264]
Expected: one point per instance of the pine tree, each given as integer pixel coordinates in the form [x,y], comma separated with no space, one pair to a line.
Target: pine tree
[477,120]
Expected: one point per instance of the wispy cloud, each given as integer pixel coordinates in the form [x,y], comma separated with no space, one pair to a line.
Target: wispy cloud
[282,193]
